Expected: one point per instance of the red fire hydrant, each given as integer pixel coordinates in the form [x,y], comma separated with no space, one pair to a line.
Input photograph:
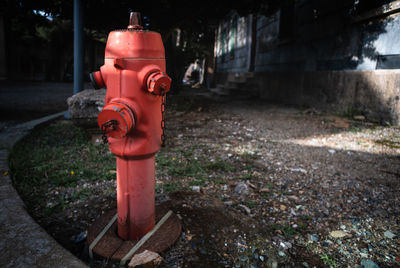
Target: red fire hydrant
[132,118]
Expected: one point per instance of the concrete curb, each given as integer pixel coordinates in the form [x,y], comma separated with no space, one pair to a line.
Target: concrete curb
[23,243]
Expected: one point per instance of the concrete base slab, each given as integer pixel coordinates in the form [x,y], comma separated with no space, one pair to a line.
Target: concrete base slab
[113,247]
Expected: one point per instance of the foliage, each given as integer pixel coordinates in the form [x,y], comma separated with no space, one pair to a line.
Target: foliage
[328,259]
[286,229]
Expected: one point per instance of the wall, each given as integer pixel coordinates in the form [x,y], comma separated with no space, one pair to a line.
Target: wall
[233,43]
[374,93]
[328,54]
[3,69]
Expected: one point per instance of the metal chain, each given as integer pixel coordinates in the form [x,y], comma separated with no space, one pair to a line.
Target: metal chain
[110,124]
[104,138]
[163,100]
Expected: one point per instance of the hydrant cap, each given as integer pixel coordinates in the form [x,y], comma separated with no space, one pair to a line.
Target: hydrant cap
[116,120]
[158,83]
[134,44]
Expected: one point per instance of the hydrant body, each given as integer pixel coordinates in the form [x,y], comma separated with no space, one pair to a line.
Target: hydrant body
[134,75]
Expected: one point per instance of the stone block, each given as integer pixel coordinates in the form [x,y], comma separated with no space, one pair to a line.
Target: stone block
[85,106]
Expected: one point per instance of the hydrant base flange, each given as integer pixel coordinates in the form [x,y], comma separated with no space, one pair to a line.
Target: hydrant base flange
[111,246]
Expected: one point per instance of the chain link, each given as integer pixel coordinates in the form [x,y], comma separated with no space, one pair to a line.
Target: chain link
[110,124]
[104,138]
[163,100]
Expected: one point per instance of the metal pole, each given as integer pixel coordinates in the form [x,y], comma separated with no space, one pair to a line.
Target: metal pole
[78,47]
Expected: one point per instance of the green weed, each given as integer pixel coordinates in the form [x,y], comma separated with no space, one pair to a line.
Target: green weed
[328,260]
[286,229]
[389,143]
[249,156]
[251,203]
[59,154]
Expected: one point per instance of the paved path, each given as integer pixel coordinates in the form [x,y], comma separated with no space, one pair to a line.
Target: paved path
[23,243]
[25,101]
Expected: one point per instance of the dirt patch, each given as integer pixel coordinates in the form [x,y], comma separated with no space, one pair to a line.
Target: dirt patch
[255,184]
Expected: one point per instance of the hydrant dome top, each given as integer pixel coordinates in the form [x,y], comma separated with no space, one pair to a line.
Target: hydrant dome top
[134,44]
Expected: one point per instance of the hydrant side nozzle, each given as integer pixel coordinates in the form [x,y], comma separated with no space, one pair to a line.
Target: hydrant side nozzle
[97,80]
[158,83]
[116,120]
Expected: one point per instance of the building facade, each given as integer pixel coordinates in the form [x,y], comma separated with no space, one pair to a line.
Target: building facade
[336,55]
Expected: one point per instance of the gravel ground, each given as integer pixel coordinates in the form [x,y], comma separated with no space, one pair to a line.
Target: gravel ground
[263,186]
[323,182]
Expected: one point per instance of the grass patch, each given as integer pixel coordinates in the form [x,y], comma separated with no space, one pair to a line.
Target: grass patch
[169,187]
[328,260]
[251,203]
[350,113]
[57,155]
[389,143]
[183,164]
[286,229]
[249,156]
[355,129]
[199,182]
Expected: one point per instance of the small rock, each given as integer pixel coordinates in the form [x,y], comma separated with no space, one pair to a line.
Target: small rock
[301,170]
[281,253]
[243,258]
[282,207]
[285,245]
[248,211]
[314,237]
[256,173]
[85,106]
[265,190]
[368,264]
[331,151]
[359,117]
[228,203]
[339,234]
[251,185]
[341,123]
[147,258]
[389,234]
[292,212]
[196,188]
[293,197]
[82,236]
[242,188]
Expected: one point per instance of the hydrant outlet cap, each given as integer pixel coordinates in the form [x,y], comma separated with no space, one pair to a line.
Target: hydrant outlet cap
[158,83]
[116,120]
